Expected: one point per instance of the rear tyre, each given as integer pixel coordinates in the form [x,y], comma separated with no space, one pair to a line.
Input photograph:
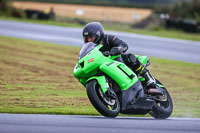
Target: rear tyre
[104,105]
[162,109]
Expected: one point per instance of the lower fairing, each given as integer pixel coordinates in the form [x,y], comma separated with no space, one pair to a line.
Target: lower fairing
[134,102]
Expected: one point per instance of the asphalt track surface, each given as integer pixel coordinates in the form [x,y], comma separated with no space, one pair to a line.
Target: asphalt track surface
[182,50]
[22,123]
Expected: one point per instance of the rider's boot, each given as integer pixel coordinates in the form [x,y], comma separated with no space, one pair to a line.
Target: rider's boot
[149,80]
[139,69]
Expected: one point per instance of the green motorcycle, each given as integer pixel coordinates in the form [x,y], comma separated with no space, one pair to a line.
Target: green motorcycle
[114,88]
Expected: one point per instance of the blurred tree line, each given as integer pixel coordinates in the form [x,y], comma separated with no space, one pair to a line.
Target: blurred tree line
[184,15]
[182,10]
[118,3]
[6,9]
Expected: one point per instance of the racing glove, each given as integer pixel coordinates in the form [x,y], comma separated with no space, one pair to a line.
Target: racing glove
[116,51]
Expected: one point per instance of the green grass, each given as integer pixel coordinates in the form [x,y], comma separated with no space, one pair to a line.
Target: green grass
[37,77]
[161,32]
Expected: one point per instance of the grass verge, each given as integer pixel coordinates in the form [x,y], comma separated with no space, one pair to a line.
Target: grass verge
[158,31]
[37,77]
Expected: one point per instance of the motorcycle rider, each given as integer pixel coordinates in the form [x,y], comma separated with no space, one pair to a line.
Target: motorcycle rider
[94,32]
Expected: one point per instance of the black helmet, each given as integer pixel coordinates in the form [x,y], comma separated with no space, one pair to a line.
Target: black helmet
[93,29]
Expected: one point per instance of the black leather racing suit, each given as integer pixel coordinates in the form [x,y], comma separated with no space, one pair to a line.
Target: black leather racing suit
[116,46]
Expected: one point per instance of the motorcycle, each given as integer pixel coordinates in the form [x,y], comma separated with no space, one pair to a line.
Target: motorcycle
[113,88]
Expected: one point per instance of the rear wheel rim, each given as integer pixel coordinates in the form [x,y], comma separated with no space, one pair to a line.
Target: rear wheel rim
[163,105]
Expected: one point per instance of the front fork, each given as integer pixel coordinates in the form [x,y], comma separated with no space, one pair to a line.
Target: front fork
[101,81]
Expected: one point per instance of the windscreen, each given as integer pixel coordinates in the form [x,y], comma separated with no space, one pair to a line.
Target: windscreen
[86,48]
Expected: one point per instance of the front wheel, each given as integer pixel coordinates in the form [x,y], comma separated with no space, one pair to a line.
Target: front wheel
[162,109]
[106,106]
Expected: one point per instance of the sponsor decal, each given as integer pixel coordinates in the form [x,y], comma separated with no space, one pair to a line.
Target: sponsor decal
[109,64]
[114,38]
[91,60]
[85,33]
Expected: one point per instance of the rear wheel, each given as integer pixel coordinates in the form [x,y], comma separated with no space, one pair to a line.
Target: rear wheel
[162,109]
[103,104]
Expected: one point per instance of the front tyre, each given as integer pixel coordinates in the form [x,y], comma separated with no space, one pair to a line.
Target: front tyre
[106,106]
[162,109]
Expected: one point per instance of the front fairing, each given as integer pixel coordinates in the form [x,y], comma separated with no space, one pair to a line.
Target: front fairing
[89,63]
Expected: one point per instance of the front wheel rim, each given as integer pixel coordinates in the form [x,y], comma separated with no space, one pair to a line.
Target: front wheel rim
[110,106]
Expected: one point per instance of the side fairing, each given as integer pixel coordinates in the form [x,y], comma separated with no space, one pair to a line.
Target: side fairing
[120,73]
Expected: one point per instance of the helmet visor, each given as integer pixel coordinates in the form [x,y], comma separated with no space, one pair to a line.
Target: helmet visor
[89,38]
